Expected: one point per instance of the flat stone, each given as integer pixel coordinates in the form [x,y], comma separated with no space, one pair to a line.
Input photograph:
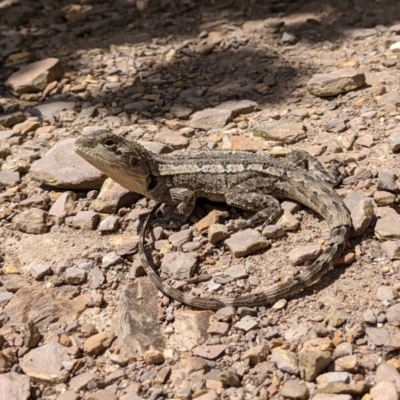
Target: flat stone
[389,99]
[45,363]
[210,352]
[14,282]
[210,118]
[347,363]
[124,244]
[246,324]
[285,131]
[111,259]
[361,211]
[214,217]
[243,143]
[388,226]
[180,111]
[385,293]
[75,276]
[393,343]
[86,220]
[335,83]
[96,344]
[393,315]
[383,198]
[176,140]
[36,76]
[136,325]
[179,265]
[180,238]
[9,178]
[288,38]
[15,386]
[237,107]
[392,249]
[328,396]
[112,197]
[62,168]
[109,224]
[10,120]
[218,328]
[5,297]
[359,34]
[285,360]
[79,382]
[384,390]
[273,232]
[48,110]
[139,106]
[377,336]
[386,372]
[294,389]
[246,242]
[68,395]
[236,272]
[338,318]
[104,394]
[31,221]
[302,254]
[330,377]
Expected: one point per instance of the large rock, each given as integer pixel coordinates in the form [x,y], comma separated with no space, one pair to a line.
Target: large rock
[45,363]
[136,323]
[337,82]
[61,167]
[210,118]
[48,110]
[35,77]
[388,226]
[14,386]
[285,131]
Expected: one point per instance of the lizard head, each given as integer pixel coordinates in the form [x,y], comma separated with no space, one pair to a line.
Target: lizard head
[123,161]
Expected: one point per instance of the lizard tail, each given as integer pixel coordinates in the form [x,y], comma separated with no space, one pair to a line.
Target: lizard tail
[314,272]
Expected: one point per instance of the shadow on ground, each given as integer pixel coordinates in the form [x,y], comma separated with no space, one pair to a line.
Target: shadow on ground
[232,65]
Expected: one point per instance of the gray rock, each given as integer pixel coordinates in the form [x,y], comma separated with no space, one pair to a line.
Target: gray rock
[361,211]
[217,232]
[111,259]
[62,168]
[390,99]
[36,76]
[335,83]
[9,178]
[288,38]
[9,120]
[394,141]
[45,363]
[5,297]
[179,265]
[386,181]
[393,315]
[312,363]
[246,242]
[75,276]
[237,107]
[112,197]
[80,382]
[109,224]
[40,271]
[173,139]
[285,131]
[392,249]
[285,360]
[302,254]
[179,238]
[86,220]
[210,118]
[386,372]
[246,324]
[180,111]
[48,110]
[236,272]
[359,34]
[388,226]
[385,293]
[14,386]
[384,390]
[330,377]
[369,317]
[377,336]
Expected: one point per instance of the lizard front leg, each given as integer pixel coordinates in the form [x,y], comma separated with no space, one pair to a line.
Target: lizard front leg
[185,200]
[249,196]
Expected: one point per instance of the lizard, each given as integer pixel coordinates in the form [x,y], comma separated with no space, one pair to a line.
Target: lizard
[242,179]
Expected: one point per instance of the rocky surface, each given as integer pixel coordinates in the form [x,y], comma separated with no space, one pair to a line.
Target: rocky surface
[78,320]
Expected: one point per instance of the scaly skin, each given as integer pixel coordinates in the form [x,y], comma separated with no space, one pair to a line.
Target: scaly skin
[239,178]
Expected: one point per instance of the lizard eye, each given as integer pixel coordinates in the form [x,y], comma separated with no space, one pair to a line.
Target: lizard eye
[109,143]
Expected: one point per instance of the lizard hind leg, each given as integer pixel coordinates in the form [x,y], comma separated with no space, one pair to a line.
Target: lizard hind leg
[305,160]
[267,208]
